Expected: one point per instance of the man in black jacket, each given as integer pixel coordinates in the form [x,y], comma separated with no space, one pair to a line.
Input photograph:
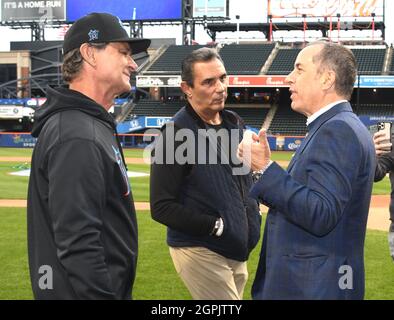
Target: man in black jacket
[384,165]
[196,189]
[82,229]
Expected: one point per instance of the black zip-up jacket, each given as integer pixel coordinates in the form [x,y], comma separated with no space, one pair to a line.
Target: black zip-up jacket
[82,229]
[188,198]
[384,165]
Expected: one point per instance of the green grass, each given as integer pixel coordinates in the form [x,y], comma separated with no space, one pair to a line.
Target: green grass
[12,187]
[133,153]
[14,275]
[139,185]
[156,276]
[379,267]
[16,152]
[382,187]
[129,153]
[281,155]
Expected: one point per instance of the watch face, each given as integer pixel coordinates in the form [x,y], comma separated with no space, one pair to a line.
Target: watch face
[256,176]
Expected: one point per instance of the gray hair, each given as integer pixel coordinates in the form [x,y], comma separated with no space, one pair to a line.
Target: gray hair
[73,60]
[341,60]
[199,55]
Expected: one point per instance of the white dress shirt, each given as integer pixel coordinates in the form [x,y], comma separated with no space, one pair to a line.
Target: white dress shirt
[317,114]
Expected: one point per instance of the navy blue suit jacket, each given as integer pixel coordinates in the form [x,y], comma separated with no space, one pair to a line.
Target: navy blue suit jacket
[313,245]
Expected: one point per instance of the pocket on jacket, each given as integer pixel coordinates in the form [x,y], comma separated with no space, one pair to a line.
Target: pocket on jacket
[306,266]
[234,234]
[254,227]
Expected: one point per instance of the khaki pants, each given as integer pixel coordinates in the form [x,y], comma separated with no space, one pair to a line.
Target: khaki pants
[208,275]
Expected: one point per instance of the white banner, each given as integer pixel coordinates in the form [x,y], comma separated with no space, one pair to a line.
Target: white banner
[325,8]
[32,10]
[158,81]
[11,112]
[209,8]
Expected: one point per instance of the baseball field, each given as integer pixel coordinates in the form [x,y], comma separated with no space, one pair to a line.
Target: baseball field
[156,276]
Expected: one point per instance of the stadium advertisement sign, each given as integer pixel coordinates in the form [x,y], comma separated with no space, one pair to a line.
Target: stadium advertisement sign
[234,81]
[324,8]
[156,122]
[126,9]
[130,126]
[17,140]
[375,82]
[293,143]
[284,143]
[11,112]
[257,81]
[158,81]
[372,120]
[25,140]
[32,10]
[210,8]
[142,123]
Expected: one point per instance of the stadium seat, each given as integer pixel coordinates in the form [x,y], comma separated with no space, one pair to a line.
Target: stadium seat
[245,59]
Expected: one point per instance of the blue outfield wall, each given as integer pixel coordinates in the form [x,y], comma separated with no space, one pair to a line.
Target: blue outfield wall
[130,140]
[17,140]
[25,140]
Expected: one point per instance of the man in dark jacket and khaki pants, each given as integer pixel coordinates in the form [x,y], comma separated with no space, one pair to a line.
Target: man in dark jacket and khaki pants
[212,222]
[82,229]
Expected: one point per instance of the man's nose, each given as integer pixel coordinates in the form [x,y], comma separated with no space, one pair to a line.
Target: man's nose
[289,78]
[221,87]
[132,65]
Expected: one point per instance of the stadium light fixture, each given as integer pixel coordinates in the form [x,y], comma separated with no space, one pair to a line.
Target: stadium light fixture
[237,17]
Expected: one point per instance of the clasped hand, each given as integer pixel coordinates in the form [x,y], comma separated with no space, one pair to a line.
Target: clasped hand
[254,150]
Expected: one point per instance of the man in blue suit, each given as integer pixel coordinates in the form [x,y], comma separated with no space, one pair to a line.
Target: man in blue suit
[313,245]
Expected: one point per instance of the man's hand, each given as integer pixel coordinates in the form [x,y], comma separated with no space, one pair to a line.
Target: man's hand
[381,142]
[254,150]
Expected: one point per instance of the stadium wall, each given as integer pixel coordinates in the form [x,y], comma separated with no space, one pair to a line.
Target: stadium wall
[25,140]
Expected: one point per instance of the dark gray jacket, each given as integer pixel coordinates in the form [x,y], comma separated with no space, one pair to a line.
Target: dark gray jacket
[384,165]
[81,217]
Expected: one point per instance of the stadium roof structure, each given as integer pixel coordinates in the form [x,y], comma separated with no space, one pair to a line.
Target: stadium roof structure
[323,26]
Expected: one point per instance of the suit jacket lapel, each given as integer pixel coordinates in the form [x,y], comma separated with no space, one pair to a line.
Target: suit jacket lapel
[314,127]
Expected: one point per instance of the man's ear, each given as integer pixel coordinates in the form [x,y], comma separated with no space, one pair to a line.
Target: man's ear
[328,79]
[88,54]
[186,89]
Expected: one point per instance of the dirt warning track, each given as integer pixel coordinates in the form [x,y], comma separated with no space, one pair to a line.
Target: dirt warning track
[378,212]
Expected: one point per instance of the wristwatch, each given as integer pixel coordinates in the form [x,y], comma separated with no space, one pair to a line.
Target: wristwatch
[256,175]
[218,228]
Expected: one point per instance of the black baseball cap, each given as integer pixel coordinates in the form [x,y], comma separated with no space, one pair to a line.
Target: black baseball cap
[100,28]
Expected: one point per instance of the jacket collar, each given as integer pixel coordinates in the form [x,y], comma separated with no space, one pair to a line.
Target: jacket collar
[316,124]
[225,115]
[340,107]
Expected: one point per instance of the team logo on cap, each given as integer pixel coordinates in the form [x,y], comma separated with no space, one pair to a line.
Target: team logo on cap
[123,170]
[93,34]
[120,22]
